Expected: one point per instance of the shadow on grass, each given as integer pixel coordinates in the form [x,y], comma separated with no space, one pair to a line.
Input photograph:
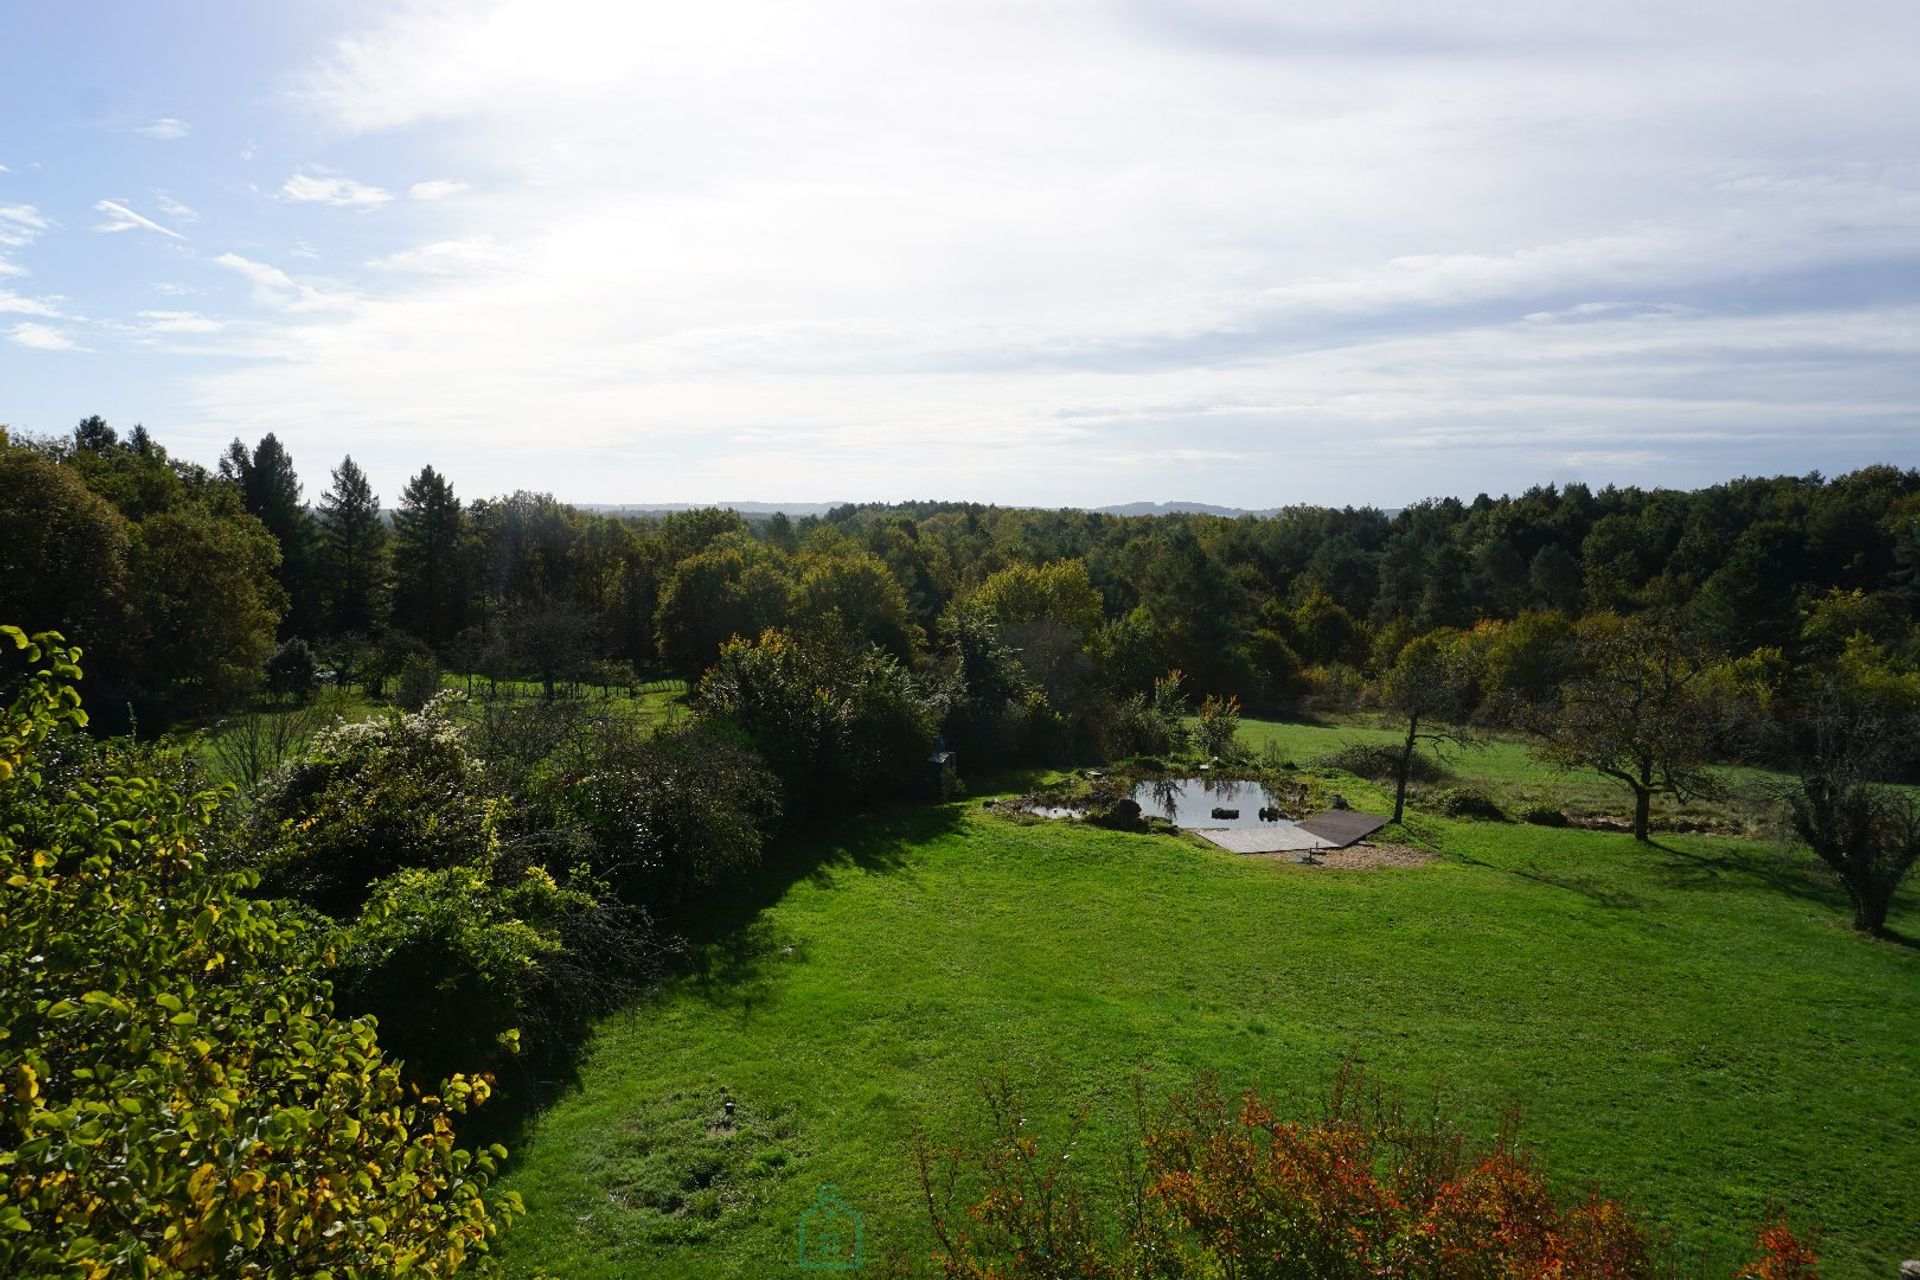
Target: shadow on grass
[1745,868]
[732,947]
[1588,887]
[726,950]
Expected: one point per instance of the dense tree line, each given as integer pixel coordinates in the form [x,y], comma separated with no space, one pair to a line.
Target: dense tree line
[115,543]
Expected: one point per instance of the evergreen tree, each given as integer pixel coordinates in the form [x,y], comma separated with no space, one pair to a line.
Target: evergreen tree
[353,552]
[270,491]
[429,573]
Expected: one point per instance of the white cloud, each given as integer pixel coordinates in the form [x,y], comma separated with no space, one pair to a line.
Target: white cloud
[20,226]
[865,248]
[310,188]
[20,223]
[170,322]
[274,288]
[448,257]
[18,305]
[436,189]
[42,337]
[174,209]
[121,218]
[165,129]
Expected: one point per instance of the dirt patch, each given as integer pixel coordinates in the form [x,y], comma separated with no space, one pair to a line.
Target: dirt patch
[1360,857]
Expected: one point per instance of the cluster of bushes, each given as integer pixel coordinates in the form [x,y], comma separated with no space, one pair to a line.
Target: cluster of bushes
[467,949]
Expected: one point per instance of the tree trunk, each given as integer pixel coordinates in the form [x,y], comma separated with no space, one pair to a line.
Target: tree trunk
[1406,764]
[1870,907]
[1642,802]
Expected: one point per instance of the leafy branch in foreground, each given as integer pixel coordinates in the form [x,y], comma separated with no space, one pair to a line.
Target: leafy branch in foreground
[180,1098]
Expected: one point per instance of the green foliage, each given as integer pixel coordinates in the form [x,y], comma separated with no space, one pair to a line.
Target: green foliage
[419,682]
[1433,689]
[1218,727]
[204,585]
[452,963]
[429,559]
[1845,733]
[1525,661]
[1639,710]
[839,727]
[371,798]
[270,492]
[63,562]
[1026,593]
[1464,802]
[1380,762]
[1153,724]
[354,565]
[180,1098]
[669,816]
[854,593]
[995,716]
[732,589]
[292,671]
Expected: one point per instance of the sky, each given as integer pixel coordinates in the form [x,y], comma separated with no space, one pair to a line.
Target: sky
[1046,252]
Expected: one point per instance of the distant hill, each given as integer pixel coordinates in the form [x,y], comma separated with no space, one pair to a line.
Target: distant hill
[794,509]
[1180,509]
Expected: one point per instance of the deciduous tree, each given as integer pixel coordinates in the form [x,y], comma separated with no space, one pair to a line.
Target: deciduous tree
[1638,711]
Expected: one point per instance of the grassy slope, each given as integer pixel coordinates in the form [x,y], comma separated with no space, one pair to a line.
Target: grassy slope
[1687,1023]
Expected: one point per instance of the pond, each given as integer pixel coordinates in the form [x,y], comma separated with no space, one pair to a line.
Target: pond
[1190,802]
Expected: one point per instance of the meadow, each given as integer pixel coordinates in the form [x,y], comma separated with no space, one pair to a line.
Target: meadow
[1689,1023]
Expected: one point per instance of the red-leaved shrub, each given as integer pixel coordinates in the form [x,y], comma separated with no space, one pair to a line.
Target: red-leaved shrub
[1236,1188]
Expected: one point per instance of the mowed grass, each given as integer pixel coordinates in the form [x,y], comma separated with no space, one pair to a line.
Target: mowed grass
[1690,1024]
[1510,769]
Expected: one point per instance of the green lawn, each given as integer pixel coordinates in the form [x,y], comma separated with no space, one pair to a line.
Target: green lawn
[1507,767]
[1689,1023]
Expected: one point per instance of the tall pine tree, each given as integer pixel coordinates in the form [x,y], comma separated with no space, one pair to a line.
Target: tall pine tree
[353,553]
[270,490]
[429,589]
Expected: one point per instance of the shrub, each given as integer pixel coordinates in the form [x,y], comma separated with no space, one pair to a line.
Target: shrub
[292,671]
[1220,1183]
[1380,763]
[370,798]
[1466,802]
[838,725]
[671,816]
[1152,724]
[1544,815]
[419,682]
[388,658]
[995,716]
[1219,727]
[181,1097]
[461,971]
